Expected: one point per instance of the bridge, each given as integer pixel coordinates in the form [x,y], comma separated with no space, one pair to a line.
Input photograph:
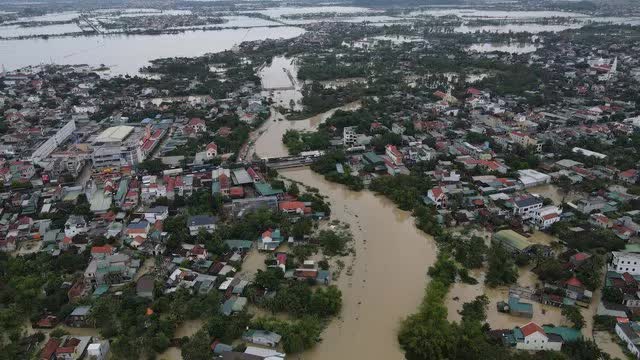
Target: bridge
[288,162]
[83,17]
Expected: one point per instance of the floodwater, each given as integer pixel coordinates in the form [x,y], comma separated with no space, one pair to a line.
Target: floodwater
[461,293]
[497,14]
[512,48]
[516,28]
[388,274]
[280,83]
[269,144]
[553,192]
[9,31]
[126,54]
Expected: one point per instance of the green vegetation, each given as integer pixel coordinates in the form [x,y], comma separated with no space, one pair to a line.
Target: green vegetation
[326,166]
[298,142]
[502,270]
[572,313]
[404,190]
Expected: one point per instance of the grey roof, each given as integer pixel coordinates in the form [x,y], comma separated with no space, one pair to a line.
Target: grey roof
[81,311]
[200,220]
[528,201]
[241,177]
[628,330]
[157,209]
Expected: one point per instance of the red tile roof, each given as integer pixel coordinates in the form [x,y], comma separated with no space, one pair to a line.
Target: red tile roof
[531,328]
[107,249]
[574,281]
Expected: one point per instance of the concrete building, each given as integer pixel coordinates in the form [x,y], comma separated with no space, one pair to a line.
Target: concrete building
[123,145]
[51,144]
[622,262]
[533,338]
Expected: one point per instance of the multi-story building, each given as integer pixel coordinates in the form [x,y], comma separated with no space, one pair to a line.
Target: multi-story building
[112,149]
[622,262]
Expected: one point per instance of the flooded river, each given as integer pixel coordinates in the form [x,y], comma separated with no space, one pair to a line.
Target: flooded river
[389,273]
[269,143]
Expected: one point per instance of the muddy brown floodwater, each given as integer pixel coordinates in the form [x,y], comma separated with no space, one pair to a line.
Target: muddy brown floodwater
[388,278]
[269,143]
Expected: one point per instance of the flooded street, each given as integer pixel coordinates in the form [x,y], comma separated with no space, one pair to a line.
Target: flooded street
[554,193]
[389,273]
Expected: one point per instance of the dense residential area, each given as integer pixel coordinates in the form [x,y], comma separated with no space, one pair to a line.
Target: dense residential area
[261,181]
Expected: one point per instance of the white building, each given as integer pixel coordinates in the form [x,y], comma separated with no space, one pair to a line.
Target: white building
[49,146]
[75,225]
[116,146]
[530,178]
[629,336]
[526,206]
[535,339]
[349,136]
[98,350]
[547,216]
[625,262]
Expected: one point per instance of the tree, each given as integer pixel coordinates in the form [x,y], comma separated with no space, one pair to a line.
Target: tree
[198,347]
[475,310]
[502,270]
[326,301]
[573,314]
[293,189]
[269,279]
[612,295]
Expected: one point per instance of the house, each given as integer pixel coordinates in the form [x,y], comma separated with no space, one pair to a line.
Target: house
[262,337]
[201,222]
[531,178]
[294,207]
[79,316]
[526,206]
[72,347]
[547,216]
[144,286]
[212,150]
[533,338]
[436,196]
[100,252]
[628,333]
[198,253]
[622,262]
[98,350]
[156,213]
[75,225]
[600,220]
[629,176]
[270,240]
[138,229]
[197,125]
[48,352]
[515,307]
[396,156]
[512,241]
[113,269]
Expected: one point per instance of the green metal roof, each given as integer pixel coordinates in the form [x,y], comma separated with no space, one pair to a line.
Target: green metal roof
[567,334]
[512,239]
[373,158]
[516,305]
[266,190]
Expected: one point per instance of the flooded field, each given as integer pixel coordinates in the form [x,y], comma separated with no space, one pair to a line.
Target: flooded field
[126,54]
[389,273]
